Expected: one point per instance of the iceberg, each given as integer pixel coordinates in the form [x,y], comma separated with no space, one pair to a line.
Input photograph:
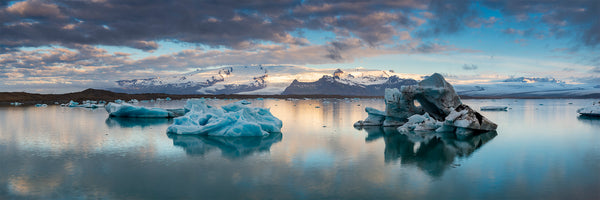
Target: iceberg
[128,110]
[440,109]
[232,120]
[41,105]
[592,111]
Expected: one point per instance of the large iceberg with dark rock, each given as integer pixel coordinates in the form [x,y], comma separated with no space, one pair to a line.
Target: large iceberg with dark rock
[128,110]
[440,109]
[235,119]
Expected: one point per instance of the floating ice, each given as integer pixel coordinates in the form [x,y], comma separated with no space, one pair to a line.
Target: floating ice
[375,118]
[441,109]
[420,123]
[494,108]
[128,110]
[16,103]
[593,110]
[71,104]
[41,105]
[235,119]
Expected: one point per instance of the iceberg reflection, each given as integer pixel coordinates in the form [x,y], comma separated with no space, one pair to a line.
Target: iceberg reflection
[590,120]
[231,147]
[123,122]
[431,152]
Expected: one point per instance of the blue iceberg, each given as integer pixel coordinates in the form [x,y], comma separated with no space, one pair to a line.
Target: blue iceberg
[235,119]
[128,110]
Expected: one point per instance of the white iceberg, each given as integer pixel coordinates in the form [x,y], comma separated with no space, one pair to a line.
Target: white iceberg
[128,110]
[235,119]
[494,108]
[420,123]
[593,110]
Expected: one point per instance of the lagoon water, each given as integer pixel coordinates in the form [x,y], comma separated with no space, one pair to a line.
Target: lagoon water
[541,150]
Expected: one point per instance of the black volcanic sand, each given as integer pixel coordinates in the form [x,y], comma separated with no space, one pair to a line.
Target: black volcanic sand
[95,94]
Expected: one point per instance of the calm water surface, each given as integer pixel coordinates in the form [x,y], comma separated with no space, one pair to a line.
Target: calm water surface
[541,150]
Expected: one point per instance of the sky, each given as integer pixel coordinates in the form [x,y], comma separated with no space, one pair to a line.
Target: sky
[56,46]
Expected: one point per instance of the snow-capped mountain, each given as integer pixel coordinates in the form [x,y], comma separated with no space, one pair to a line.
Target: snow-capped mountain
[524,87]
[341,83]
[264,80]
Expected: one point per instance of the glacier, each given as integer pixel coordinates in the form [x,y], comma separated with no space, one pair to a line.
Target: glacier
[232,120]
[128,110]
[440,109]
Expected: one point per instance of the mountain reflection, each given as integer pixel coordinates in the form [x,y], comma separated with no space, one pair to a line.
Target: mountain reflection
[231,147]
[124,122]
[431,152]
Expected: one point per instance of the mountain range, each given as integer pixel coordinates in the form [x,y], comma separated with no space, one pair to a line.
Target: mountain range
[299,80]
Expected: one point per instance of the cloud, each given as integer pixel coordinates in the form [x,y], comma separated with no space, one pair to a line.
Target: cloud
[35,8]
[469,67]
[228,23]
[581,16]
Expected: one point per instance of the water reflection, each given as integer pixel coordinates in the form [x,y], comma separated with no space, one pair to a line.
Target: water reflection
[594,121]
[123,122]
[231,147]
[431,152]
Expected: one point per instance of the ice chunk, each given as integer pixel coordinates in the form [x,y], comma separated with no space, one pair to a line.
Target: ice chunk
[235,119]
[420,123]
[494,108]
[41,105]
[71,104]
[593,110]
[128,110]
[375,118]
[465,117]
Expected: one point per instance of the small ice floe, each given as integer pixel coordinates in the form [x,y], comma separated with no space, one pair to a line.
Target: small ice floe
[119,101]
[71,104]
[16,103]
[41,105]
[92,105]
[133,101]
[235,119]
[494,108]
[592,111]
[128,110]
[168,99]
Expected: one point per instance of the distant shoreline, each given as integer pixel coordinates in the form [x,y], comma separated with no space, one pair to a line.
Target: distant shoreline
[94,94]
